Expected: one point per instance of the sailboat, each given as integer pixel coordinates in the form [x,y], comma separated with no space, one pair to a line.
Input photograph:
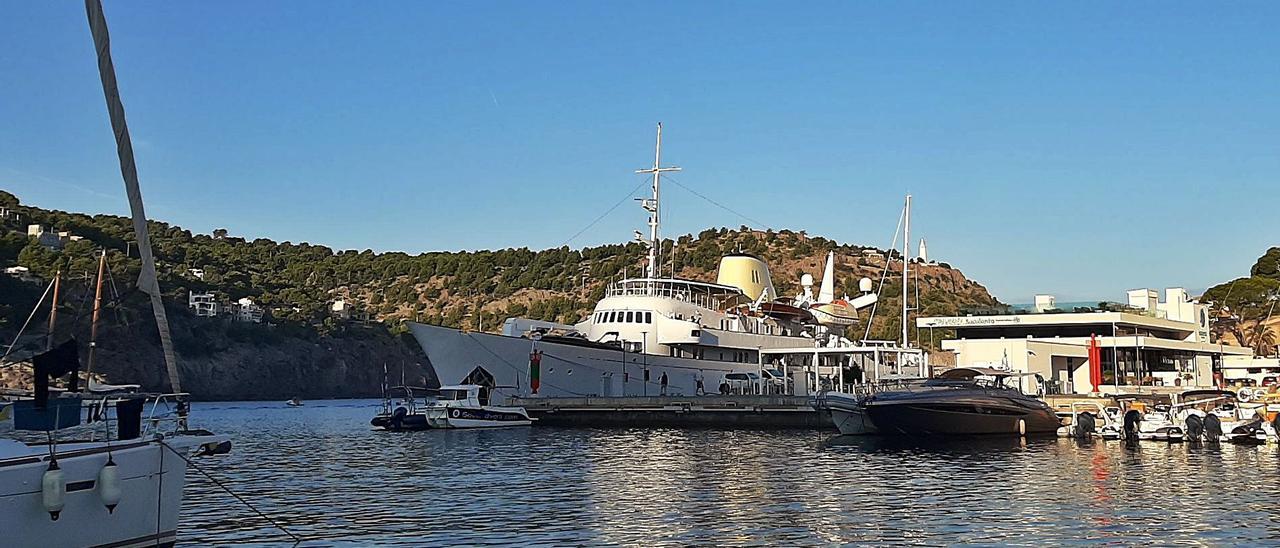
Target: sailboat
[118,482]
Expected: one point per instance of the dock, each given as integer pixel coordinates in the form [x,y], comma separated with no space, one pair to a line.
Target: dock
[734,411]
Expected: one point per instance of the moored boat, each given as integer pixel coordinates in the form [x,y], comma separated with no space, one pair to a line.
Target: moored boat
[961,401]
[457,406]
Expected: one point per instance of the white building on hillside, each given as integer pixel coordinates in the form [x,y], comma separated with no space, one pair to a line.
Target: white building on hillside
[204,304]
[1150,345]
[248,311]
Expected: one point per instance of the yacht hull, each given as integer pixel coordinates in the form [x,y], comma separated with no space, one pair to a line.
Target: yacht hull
[566,370]
[961,417]
[151,482]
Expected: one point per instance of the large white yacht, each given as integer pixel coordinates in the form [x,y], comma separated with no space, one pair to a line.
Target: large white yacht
[654,335]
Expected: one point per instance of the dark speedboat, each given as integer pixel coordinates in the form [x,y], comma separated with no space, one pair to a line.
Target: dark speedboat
[962,401]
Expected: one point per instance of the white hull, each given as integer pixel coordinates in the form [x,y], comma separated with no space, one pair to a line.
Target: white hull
[151,481]
[848,416]
[566,370]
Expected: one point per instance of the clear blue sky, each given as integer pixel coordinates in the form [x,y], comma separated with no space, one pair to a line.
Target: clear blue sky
[1077,149]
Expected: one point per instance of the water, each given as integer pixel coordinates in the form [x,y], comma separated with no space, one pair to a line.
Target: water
[327,477]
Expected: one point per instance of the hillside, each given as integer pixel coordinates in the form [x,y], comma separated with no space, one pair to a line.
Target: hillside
[1245,311]
[297,283]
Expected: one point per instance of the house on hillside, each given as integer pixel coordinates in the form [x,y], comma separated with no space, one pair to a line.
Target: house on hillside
[204,304]
[44,236]
[248,311]
[22,273]
[197,273]
[344,310]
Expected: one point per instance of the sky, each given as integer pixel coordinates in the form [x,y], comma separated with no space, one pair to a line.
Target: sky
[1076,149]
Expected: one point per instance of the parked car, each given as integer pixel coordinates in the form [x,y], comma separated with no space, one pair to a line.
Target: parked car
[743,383]
[775,382]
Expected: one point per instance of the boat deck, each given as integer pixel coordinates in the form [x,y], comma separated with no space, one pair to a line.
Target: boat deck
[744,411]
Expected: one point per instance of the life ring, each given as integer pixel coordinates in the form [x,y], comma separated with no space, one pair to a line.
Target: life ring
[455,413]
[1245,395]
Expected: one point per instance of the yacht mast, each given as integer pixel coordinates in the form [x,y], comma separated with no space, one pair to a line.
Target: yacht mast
[53,311]
[652,205]
[906,266]
[93,325]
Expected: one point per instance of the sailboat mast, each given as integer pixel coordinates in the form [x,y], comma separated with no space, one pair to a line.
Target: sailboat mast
[906,266]
[653,205]
[97,312]
[53,310]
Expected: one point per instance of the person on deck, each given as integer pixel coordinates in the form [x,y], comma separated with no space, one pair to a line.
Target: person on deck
[663,381]
[700,390]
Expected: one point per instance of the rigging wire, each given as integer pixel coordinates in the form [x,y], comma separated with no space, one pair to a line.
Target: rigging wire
[715,203]
[629,194]
[884,274]
[296,539]
[28,322]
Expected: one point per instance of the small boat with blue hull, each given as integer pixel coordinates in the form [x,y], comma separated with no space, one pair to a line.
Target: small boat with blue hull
[457,406]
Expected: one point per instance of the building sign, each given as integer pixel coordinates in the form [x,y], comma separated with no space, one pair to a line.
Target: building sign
[969,321]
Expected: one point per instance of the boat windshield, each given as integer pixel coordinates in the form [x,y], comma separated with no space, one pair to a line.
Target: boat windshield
[453,394]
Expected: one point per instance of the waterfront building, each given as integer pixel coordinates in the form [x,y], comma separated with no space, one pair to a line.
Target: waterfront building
[1145,345]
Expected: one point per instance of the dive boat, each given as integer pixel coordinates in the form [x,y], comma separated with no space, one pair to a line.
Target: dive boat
[457,406]
[961,401]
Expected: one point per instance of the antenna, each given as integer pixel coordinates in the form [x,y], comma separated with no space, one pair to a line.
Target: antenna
[652,205]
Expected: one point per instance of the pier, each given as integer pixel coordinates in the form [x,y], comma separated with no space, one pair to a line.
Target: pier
[733,411]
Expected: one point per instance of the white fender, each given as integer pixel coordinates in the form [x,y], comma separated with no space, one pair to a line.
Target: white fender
[109,485]
[54,490]
[1022,427]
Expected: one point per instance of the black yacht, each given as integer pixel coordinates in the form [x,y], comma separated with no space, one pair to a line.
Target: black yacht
[962,401]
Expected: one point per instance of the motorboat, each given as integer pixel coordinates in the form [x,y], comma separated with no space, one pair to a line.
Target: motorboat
[1146,417]
[456,406]
[1216,415]
[295,402]
[848,413]
[1090,419]
[962,401]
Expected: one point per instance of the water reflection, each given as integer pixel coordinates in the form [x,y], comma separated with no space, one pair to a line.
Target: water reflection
[327,477]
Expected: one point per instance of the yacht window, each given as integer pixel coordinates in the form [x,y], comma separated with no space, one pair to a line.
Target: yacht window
[630,317]
[648,317]
[611,315]
[453,394]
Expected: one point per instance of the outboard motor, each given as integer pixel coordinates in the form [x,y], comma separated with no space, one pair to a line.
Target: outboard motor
[1132,423]
[1195,427]
[1212,427]
[1086,425]
[397,417]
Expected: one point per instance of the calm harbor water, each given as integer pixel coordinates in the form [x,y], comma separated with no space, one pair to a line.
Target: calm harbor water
[328,478]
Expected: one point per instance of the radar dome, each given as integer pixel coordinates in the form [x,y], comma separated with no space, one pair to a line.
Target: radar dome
[806,280]
[864,285]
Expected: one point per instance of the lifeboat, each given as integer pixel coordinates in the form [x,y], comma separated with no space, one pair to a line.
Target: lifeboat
[835,313]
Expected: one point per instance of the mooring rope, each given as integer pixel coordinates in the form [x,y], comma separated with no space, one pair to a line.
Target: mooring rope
[296,539]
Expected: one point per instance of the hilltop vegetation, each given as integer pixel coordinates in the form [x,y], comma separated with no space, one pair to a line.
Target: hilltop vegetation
[297,283]
[1245,308]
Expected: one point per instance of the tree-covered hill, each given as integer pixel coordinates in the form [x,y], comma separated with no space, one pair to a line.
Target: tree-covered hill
[1245,310]
[297,283]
